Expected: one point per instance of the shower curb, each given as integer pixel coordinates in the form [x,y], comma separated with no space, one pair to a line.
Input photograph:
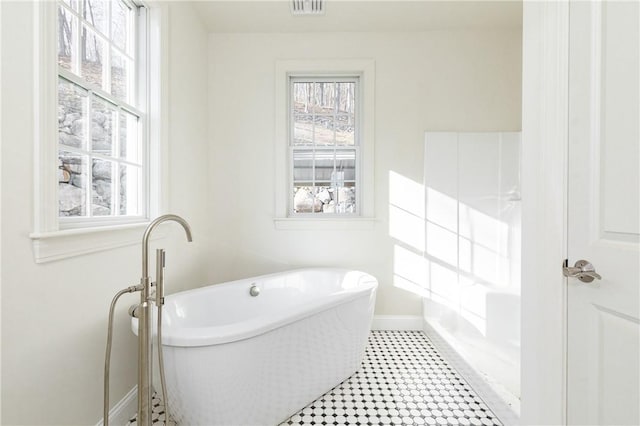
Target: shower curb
[482,388]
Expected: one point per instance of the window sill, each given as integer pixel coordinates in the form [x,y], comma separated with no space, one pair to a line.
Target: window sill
[322,224]
[57,245]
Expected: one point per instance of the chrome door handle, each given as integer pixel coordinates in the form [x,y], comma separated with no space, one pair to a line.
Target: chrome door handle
[583,270]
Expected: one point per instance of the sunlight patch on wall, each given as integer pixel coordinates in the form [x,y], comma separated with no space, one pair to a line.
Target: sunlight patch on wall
[406,194]
[442,244]
[406,228]
[443,285]
[442,210]
[406,211]
[410,271]
[482,229]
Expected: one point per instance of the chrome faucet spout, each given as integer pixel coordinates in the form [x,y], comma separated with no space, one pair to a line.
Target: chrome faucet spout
[147,234]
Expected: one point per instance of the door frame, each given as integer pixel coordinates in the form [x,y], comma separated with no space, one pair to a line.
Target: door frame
[545,124]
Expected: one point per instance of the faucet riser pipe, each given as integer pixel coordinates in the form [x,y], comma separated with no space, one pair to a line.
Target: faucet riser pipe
[144,357]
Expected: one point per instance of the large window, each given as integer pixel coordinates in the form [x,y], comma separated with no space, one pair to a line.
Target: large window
[102,148]
[324,145]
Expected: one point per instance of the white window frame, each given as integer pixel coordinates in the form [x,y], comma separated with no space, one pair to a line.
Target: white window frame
[50,240]
[295,78]
[284,217]
[138,108]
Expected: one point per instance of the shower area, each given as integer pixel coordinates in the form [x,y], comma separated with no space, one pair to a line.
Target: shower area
[471,302]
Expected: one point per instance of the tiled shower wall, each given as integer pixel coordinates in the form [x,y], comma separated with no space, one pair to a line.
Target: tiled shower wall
[472,251]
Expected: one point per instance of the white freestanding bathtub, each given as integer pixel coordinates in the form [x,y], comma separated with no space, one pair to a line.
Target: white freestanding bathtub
[236,359]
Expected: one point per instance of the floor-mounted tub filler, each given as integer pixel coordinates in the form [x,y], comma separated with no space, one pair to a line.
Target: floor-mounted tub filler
[144,314]
[255,351]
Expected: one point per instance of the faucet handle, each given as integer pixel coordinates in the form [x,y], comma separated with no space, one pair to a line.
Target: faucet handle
[152,292]
[133,310]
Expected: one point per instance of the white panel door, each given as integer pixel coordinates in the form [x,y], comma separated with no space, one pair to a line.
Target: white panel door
[603,212]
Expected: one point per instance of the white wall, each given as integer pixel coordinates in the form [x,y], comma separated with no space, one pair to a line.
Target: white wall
[438,81]
[54,314]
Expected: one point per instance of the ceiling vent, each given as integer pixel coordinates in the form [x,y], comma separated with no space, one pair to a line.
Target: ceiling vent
[307,7]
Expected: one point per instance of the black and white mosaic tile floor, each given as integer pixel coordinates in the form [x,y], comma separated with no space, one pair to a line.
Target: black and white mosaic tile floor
[403,380]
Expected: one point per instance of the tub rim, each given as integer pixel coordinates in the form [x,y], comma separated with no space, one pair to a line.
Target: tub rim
[256,326]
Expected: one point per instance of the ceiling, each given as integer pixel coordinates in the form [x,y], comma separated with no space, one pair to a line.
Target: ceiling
[269,16]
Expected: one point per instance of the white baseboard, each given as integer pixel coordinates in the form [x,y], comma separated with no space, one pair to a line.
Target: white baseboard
[121,413]
[396,322]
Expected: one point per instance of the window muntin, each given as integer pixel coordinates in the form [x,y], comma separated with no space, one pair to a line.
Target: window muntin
[102,151]
[324,146]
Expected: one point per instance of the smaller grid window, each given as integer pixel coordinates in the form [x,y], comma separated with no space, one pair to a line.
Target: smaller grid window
[101,148]
[324,146]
